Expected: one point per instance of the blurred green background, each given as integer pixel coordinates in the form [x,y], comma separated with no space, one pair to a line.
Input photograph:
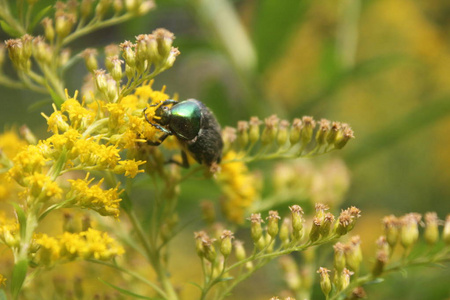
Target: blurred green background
[382,66]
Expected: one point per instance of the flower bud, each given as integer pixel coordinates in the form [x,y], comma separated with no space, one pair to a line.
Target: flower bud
[272,227]
[168,63]
[343,280]
[228,137]
[225,243]
[380,263]
[297,221]
[164,38]
[128,53]
[333,133]
[353,254]
[64,56]
[327,222]
[15,51]
[324,128]
[239,250]
[118,6]
[282,133]
[90,59]
[49,31]
[141,47]
[391,226]
[358,293]
[63,24]
[242,133]
[145,7]
[254,129]
[69,223]
[314,234]
[86,8]
[339,257]
[270,130]
[431,233]
[101,81]
[345,134]
[116,68]
[256,229]
[112,89]
[41,51]
[199,247]
[296,129]
[101,8]
[325,282]
[409,233]
[446,231]
[308,127]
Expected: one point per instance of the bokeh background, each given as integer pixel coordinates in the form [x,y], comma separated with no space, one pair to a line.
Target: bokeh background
[383,66]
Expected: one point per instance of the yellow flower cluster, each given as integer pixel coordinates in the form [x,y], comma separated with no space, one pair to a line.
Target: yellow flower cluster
[90,244]
[239,187]
[9,231]
[105,202]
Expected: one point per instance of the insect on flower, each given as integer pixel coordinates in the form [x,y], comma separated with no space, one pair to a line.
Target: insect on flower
[195,128]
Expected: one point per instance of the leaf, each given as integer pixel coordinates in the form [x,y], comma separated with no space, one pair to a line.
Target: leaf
[195,284]
[375,281]
[126,292]
[18,277]
[39,16]
[225,279]
[3,295]
[9,30]
[21,218]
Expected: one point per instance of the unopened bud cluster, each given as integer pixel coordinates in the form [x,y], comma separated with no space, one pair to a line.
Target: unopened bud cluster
[302,137]
[142,60]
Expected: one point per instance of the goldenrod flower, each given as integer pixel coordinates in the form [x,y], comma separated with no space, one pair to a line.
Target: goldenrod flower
[9,231]
[239,187]
[2,280]
[105,202]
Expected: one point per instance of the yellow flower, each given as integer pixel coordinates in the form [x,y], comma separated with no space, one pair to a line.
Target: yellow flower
[70,246]
[129,167]
[42,187]
[239,187]
[10,144]
[105,202]
[9,231]
[79,116]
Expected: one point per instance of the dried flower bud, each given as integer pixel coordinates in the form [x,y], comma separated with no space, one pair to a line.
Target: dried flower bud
[353,254]
[115,67]
[314,234]
[225,243]
[391,226]
[296,129]
[228,137]
[270,130]
[101,81]
[381,261]
[446,231]
[256,229]
[242,133]
[86,8]
[171,58]
[409,233]
[325,282]
[324,128]
[49,31]
[282,133]
[63,24]
[358,293]
[431,233]
[345,134]
[15,51]
[339,257]
[347,220]
[327,222]
[272,227]
[297,221]
[164,38]
[90,59]
[254,129]
[199,237]
[128,53]
[343,280]
[333,133]
[112,89]
[307,131]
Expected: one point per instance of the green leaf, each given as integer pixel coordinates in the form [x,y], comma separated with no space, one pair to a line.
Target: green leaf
[196,285]
[9,30]
[225,279]
[3,295]
[126,292]
[21,218]
[39,16]
[18,277]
